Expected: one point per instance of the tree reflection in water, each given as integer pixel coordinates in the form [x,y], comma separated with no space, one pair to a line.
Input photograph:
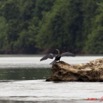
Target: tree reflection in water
[24,74]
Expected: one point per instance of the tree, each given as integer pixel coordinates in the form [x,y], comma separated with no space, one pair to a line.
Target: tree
[94,45]
[61,26]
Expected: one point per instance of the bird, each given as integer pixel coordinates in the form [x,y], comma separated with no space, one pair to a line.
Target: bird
[56,56]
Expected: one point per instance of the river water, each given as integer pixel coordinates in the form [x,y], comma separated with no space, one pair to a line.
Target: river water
[22,80]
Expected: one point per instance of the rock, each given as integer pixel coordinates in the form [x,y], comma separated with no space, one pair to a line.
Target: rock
[92,71]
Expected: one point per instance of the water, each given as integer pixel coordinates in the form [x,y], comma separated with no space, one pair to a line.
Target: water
[24,74]
[39,91]
[34,61]
[22,80]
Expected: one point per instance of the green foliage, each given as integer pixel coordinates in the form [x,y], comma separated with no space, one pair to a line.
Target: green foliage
[94,44]
[59,27]
[3,32]
[28,26]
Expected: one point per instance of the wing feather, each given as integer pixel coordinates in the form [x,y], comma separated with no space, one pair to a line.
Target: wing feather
[50,56]
[67,54]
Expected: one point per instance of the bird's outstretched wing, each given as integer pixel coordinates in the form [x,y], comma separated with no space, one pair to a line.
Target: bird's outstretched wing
[67,54]
[50,56]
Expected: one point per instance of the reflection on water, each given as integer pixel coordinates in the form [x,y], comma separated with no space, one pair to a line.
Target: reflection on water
[24,74]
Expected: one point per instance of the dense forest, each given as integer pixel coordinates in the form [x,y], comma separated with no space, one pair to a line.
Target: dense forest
[37,26]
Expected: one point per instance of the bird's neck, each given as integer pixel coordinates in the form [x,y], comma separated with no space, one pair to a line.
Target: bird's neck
[58,52]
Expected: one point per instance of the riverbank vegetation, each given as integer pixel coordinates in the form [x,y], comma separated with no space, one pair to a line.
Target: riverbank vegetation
[32,26]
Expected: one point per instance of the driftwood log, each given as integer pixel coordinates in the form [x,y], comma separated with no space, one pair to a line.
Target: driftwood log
[92,71]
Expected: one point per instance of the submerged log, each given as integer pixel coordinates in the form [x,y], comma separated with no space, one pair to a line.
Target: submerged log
[92,71]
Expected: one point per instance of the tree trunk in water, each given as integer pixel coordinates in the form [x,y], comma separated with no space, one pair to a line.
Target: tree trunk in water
[92,71]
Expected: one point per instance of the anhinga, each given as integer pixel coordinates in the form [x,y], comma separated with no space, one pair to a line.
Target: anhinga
[56,56]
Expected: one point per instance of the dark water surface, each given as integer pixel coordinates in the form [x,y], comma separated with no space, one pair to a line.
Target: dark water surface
[52,101]
[24,74]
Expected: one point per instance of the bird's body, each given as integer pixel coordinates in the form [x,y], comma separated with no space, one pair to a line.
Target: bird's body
[57,56]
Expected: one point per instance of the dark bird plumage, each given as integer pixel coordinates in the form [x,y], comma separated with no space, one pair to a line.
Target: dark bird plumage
[56,56]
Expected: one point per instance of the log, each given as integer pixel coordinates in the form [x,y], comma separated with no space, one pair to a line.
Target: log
[91,71]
